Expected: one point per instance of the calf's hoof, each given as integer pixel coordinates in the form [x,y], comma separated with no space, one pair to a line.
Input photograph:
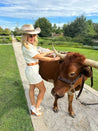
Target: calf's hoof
[55,109]
[72,115]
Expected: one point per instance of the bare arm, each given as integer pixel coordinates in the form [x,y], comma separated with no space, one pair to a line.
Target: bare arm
[43,58]
[46,54]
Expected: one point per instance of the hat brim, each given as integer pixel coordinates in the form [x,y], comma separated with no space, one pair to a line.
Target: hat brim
[35,31]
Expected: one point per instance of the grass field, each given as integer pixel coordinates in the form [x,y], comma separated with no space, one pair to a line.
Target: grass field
[14,114]
[89,53]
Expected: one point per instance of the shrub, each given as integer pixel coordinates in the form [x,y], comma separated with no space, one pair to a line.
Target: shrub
[18,39]
[0,40]
[5,39]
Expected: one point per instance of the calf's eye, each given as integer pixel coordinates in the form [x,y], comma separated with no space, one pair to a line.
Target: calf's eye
[72,74]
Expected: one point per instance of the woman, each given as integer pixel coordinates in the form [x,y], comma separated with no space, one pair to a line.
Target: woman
[31,56]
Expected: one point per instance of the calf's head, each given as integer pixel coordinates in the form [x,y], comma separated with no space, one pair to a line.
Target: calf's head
[73,68]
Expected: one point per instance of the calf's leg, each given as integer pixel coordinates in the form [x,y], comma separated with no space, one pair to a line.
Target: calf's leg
[55,106]
[70,100]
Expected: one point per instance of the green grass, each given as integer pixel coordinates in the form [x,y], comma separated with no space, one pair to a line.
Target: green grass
[89,53]
[14,114]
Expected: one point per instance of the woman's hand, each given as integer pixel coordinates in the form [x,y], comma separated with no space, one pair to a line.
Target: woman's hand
[56,58]
[50,52]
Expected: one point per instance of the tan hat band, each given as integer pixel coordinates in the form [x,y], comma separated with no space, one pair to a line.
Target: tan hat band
[29,30]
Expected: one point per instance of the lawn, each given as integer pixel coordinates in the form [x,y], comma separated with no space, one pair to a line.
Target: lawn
[89,53]
[14,114]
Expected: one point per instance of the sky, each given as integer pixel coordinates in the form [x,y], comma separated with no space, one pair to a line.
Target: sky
[15,13]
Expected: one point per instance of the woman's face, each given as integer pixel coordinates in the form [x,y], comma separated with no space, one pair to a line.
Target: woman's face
[31,38]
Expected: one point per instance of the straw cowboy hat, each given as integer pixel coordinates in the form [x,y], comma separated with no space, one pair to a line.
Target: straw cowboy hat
[29,29]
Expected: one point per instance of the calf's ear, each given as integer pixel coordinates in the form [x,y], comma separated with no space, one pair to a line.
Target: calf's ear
[87,72]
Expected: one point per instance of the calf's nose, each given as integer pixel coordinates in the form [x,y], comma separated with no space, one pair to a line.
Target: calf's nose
[56,94]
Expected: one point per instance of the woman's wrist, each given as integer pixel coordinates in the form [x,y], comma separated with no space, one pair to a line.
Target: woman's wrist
[53,59]
[46,54]
[56,58]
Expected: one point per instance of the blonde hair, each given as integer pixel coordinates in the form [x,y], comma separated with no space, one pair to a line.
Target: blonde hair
[25,43]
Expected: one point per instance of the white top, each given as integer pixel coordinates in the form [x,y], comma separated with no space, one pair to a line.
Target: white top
[30,53]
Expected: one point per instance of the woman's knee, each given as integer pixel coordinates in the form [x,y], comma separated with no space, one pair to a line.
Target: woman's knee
[44,89]
[41,87]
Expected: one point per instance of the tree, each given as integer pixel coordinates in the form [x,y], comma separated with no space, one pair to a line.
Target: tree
[78,27]
[58,31]
[66,30]
[1,31]
[90,29]
[96,27]
[7,31]
[54,28]
[45,25]
[17,31]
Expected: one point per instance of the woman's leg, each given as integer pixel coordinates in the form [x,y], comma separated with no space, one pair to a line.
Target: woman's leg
[31,94]
[42,90]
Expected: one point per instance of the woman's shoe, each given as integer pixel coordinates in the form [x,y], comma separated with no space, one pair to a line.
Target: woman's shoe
[36,112]
[40,108]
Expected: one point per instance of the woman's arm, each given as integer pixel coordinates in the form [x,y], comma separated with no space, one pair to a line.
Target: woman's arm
[43,58]
[46,54]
